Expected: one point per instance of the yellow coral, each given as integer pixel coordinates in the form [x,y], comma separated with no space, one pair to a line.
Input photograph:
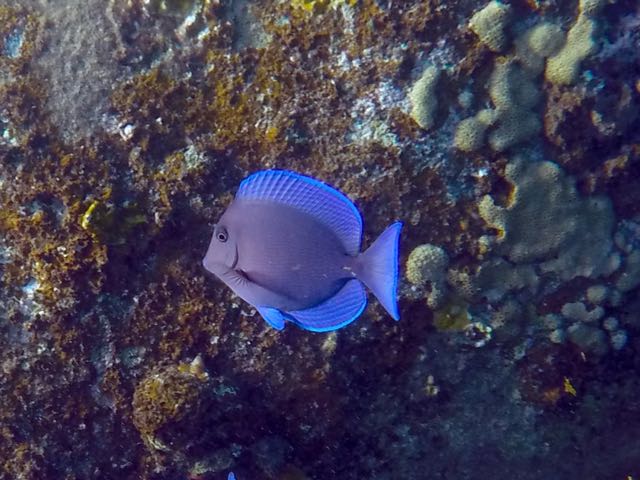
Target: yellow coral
[514,95]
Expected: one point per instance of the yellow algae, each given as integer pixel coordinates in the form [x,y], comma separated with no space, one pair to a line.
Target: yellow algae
[163,397]
[9,219]
[85,220]
[568,387]
[111,224]
[271,133]
[321,6]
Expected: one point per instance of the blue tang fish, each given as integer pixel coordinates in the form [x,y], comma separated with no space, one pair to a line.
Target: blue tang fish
[290,246]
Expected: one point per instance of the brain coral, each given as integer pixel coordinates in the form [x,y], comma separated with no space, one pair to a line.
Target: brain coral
[545,220]
[427,264]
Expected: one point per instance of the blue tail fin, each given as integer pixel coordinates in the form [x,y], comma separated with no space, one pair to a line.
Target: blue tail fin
[378,268]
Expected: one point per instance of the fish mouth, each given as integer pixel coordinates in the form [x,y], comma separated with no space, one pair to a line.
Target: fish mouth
[234,262]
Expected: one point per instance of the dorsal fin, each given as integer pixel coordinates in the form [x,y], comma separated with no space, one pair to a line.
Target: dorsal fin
[325,203]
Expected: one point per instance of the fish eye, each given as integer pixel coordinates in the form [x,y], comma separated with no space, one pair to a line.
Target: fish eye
[221,235]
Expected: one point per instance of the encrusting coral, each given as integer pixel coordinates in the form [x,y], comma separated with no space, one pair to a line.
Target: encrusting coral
[490,24]
[563,67]
[545,220]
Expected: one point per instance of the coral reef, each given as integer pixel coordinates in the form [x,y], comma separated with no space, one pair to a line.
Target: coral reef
[514,95]
[504,135]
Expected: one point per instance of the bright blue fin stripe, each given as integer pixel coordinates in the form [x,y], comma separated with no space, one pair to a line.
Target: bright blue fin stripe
[395,313]
[318,199]
[340,310]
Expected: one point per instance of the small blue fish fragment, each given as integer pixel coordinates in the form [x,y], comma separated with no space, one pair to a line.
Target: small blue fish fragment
[290,246]
[231,476]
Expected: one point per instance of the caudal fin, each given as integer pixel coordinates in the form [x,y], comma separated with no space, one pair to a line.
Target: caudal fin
[378,268]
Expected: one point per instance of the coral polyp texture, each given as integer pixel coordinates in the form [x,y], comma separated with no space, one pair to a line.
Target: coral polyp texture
[423,97]
[546,221]
[490,24]
[427,264]
[504,134]
[563,67]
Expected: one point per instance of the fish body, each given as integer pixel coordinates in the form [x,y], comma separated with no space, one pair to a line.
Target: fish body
[290,246]
[298,260]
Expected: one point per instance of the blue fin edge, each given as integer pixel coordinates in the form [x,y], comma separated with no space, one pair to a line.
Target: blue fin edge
[295,321]
[310,181]
[396,269]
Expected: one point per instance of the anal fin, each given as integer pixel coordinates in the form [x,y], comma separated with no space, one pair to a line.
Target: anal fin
[334,313]
[272,316]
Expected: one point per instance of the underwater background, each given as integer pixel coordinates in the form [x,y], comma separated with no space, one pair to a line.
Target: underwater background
[504,134]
